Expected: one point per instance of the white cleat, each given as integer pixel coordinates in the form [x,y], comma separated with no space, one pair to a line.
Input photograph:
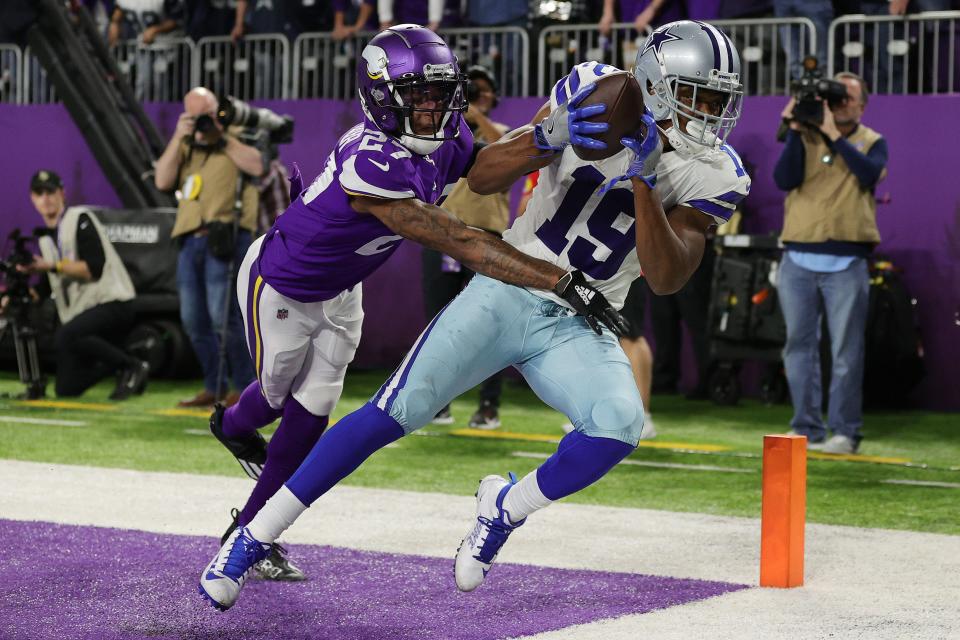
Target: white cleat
[223,578]
[493,526]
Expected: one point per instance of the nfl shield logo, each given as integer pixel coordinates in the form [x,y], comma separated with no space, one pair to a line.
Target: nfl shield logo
[282,314]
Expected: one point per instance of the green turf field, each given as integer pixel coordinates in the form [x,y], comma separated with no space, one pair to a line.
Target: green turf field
[137,435]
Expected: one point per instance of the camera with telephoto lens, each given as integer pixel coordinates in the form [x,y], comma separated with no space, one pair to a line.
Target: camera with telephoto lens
[232,111]
[812,90]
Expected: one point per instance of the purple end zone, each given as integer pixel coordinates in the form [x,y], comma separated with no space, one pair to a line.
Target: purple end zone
[60,581]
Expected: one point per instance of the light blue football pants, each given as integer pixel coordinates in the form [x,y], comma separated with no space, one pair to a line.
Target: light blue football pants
[492,325]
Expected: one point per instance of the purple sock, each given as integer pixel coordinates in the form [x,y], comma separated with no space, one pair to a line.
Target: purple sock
[297,434]
[249,414]
[354,439]
[580,461]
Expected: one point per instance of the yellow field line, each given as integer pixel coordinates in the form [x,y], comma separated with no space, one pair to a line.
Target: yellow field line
[176,413]
[856,458]
[66,404]
[542,437]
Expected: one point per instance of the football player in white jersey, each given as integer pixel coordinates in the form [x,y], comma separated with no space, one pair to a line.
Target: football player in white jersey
[600,220]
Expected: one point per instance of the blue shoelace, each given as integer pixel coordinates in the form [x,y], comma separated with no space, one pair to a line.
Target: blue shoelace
[245,553]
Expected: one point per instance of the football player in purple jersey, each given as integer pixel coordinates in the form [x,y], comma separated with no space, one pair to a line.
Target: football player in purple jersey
[299,285]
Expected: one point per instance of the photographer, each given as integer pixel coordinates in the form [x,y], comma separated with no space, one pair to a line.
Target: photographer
[92,291]
[830,166]
[444,277]
[216,214]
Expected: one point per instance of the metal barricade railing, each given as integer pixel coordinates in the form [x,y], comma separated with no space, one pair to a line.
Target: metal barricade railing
[257,67]
[915,53]
[158,72]
[765,47]
[11,73]
[36,87]
[771,51]
[559,47]
[504,51]
[326,68]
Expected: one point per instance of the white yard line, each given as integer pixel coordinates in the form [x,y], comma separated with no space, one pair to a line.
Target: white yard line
[860,583]
[45,421]
[647,463]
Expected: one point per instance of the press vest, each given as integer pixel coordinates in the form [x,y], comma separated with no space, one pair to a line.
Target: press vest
[488,212]
[208,187]
[71,296]
[831,204]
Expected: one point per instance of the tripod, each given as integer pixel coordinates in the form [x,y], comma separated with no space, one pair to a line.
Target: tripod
[28,360]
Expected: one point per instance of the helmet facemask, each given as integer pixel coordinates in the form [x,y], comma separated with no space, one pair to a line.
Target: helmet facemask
[702,128]
[426,106]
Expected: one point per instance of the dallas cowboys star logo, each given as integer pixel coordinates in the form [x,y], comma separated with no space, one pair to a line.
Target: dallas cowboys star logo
[657,40]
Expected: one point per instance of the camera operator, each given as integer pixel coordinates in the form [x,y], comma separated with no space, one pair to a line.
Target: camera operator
[830,169]
[216,215]
[93,295]
[444,277]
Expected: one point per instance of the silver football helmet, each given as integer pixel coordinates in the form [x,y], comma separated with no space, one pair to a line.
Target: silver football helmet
[695,54]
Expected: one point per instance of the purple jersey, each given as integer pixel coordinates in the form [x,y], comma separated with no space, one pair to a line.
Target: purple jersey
[320,246]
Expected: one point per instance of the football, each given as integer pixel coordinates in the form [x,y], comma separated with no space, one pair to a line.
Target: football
[624,99]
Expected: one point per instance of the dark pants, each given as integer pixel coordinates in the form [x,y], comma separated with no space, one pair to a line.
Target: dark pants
[87,347]
[691,305]
[440,287]
[208,290]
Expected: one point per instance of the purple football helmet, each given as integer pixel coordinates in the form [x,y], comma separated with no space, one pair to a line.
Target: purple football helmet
[411,87]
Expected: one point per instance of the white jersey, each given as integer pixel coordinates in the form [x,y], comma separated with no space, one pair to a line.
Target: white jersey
[569,223]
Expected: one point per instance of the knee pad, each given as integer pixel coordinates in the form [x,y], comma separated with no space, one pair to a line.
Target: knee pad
[617,417]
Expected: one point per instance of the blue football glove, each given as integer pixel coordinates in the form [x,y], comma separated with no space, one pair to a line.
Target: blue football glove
[646,154]
[565,125]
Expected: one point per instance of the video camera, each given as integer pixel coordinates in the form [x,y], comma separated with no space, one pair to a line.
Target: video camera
[232,111]
[18,282]
[812,90]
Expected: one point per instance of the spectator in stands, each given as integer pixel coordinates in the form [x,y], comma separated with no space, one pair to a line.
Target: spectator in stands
[289,18]
[352,16]
[643,14]
[210,18]
[821,13]
[93,294]
[209,167]
[150,22]
[829,229]
[425,12]
[444,277]
[102,12]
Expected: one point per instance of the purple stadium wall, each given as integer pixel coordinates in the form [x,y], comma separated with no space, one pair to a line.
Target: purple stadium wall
[919,222]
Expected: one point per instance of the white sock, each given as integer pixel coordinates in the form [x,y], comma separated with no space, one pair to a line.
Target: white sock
[276,516]
[524,498]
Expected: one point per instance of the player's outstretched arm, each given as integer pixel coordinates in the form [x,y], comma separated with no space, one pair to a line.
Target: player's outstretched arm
[502,163]
[483,252]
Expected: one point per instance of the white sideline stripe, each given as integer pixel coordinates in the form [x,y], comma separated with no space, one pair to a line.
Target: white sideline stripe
[645,463]
[47,421]
[924,483]
[860,583]
[197,432]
